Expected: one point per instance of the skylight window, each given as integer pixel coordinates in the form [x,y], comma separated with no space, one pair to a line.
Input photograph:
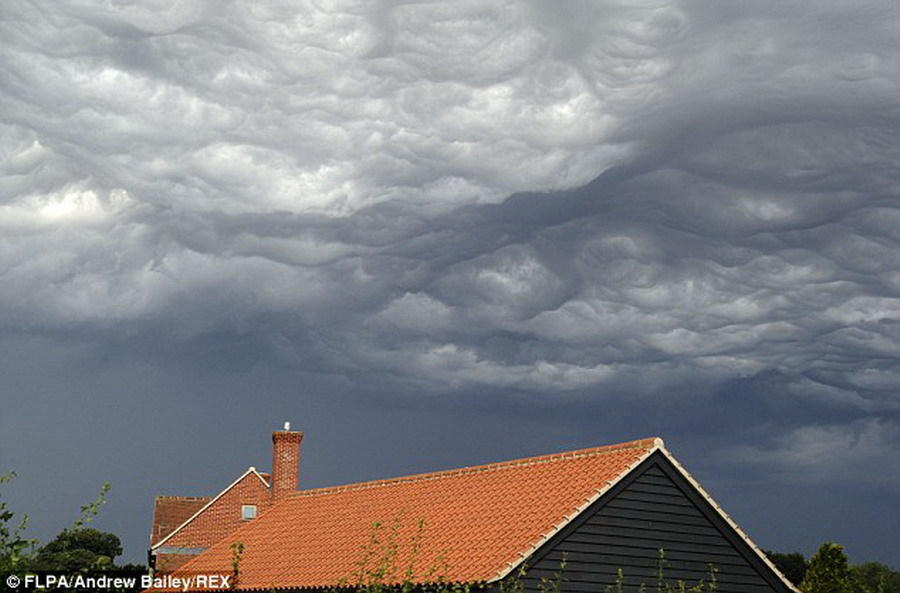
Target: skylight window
[248,511]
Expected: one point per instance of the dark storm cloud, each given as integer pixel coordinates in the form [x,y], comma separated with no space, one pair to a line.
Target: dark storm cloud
[682,206]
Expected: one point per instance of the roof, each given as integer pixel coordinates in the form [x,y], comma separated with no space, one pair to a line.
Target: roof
[171,511]
[473,524]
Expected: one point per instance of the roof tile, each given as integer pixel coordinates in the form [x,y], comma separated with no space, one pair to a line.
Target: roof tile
[171,511]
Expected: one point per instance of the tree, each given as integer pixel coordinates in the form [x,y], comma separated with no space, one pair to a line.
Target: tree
[876,578]
[792,566]
[80,549]
[828,572]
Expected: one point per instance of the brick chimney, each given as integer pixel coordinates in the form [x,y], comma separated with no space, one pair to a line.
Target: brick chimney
[285,461]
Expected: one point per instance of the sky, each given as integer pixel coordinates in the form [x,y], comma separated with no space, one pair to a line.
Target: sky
[435,234]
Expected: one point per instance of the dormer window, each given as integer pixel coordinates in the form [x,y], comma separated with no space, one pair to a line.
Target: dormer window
[248,511]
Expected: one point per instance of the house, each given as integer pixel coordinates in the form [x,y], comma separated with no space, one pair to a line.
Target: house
[184,526]
[601,509]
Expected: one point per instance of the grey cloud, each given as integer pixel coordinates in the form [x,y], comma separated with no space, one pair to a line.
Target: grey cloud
[338,159]
[828,454]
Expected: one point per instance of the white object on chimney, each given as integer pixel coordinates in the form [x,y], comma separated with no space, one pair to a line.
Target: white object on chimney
[287,425]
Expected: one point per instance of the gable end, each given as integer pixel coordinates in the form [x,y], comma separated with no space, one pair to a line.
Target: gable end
[210,504]
[655,506]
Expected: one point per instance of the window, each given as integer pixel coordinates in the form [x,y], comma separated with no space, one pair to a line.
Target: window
[248,511]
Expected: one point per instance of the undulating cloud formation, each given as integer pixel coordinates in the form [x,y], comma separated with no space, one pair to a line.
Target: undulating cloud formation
[635,199]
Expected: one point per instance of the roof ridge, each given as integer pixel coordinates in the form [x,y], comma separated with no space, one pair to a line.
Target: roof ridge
[647,443]
[174,497]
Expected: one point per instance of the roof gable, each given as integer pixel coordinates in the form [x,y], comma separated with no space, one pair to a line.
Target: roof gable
[209,503]
[477,523]
[755,552]
[657,506]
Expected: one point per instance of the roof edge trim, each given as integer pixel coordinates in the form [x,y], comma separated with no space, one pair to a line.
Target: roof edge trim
[658,445]
[731,523]
[250,470]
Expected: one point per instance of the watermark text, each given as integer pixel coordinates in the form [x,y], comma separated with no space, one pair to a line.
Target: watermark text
[30,582]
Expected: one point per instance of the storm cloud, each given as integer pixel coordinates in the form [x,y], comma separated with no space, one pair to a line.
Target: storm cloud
[676,205]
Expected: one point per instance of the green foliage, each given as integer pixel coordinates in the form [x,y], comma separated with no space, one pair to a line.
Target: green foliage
[663,585]
[237,553]
[376,567]
[377,572]
[554,584]
[415,548]
[792,566]
[829,572]
[92,509]
[876,578]
[15,549]
[79,550]
[620,583]
[514,583]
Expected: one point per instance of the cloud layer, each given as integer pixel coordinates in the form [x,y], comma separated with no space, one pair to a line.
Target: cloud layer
[641,199]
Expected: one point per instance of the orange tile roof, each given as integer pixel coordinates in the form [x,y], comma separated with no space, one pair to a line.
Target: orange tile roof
[477,522]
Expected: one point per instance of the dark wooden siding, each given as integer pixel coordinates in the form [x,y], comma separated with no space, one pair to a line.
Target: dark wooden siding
[651,509]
